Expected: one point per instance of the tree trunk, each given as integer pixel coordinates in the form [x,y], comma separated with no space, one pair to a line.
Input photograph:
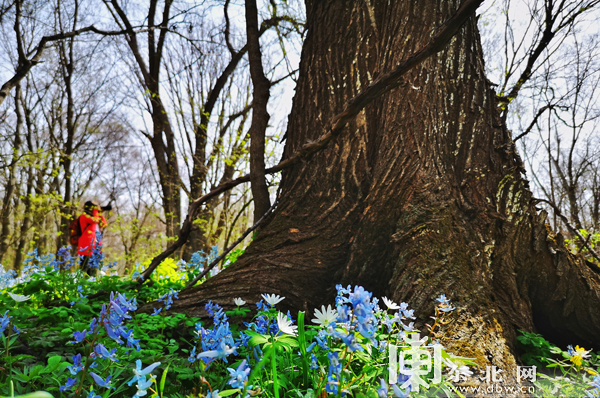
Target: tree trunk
[167,165]
[424,194]
[67,208]
[260,116]
[11,183]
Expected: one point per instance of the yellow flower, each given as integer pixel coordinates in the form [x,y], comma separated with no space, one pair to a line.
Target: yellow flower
[578,355]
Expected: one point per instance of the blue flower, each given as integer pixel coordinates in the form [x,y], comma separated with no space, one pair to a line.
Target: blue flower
[218,341]
[335,370]
[222,352]
[142,385]
[156,311]
[321,338]
[93,325]
[92,395]
[79,336]
[258,354]
[314,363]
[140,374]
[76,368]
[410,314]
[239,376]
[167,299]
[595,393]
[349,340]
[100,381]
[447,309]
[4,321]
[214,394]
[382,392]
[244,339]
[409,328]
[262,306]
[399,393]
[103,353]
[192,357]
[444,305]
[70,383]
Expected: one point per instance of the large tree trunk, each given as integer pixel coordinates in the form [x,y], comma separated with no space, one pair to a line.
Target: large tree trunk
[423,195]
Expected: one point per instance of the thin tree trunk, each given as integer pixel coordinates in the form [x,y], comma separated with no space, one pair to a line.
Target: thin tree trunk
[67,208]
[12,180]
[260,116]
[26,224]
[162,139]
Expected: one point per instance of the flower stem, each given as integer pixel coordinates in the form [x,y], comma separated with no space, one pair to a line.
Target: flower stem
[274,368]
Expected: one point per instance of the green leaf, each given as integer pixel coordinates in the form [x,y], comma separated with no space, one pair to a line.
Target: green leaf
[288,340]
[37,394]
[22,378]
[259,339]
[163,379]
[53,364]
[227,393]
[36,371]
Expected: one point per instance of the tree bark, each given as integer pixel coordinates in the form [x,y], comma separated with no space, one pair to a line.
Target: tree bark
[424,196]
[260,116]
[11,183]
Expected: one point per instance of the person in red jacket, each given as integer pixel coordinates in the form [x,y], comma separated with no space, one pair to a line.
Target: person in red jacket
[91,221]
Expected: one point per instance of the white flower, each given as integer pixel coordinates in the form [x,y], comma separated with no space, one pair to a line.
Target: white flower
[285,325]
[239,302]
[19,297]
[390,304]
[272,299]
[325,316]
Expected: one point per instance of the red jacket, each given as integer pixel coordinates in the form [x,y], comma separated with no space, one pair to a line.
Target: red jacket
[89,226]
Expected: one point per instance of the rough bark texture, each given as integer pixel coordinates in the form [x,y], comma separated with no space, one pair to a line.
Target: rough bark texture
[426,195]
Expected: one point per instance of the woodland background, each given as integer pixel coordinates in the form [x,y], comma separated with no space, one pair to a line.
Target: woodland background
[149,105]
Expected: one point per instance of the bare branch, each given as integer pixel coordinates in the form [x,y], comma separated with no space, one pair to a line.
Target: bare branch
[25,66]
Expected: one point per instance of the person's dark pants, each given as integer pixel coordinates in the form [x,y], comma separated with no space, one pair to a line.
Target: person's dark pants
[84,263]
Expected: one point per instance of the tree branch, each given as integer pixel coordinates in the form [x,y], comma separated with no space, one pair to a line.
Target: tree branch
[534,121]
[230,248]
[25,66]
[571,228]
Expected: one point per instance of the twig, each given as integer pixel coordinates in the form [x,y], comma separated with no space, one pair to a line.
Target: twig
[571,228]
